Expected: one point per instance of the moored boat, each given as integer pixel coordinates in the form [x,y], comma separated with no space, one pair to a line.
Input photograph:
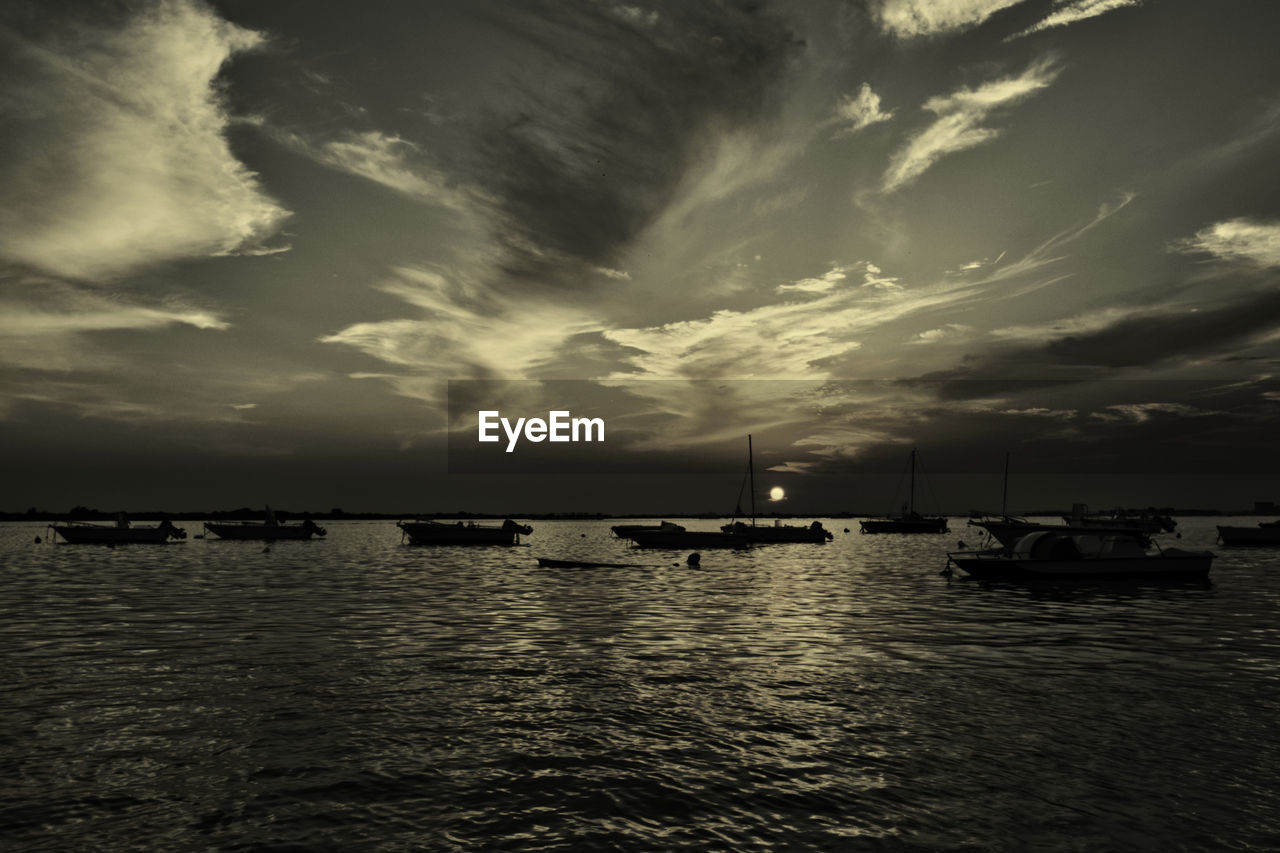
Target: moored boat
[910,521]
[268,530]
[775,534]
[1266,533]
[84,533]
[459,533]
[1007,530]
[689,539]
[1050,554]
[1146,521]
[624,531]
[763,534]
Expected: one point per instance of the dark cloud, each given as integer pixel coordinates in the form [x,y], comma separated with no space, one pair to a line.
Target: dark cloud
[588,162]
[1137,341]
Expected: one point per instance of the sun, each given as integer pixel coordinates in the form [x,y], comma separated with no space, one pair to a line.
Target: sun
[777,493]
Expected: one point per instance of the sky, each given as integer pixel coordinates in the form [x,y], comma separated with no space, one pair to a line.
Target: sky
[285,252]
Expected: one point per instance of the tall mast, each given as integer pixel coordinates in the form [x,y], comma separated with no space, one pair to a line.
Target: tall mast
[751,468]
[1004,497]
[912,505]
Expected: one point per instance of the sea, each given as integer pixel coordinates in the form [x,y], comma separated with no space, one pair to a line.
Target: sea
[358,693]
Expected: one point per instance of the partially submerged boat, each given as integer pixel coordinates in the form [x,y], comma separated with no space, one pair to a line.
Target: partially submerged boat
[269,530]
[1266,533]
[460,533]
[122,532]
[910,521]
[1051,554]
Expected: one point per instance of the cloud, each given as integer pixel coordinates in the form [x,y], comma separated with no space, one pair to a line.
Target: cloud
[44,323]
[1253,242]
[914,18]
[959,122]
[390,161]
[854,112]
[580,172]
[1071,11]
[822,284]
[114,151]
[465,332]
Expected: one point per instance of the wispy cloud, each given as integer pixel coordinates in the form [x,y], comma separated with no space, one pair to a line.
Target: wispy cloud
[389,160]
[117,155]
[959,123]
[465,332]
[913,18]
[1071,11]
[49,325]
[854,112]
[1247,240]
[582,171]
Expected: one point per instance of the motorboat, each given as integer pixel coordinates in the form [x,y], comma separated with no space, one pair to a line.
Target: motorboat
[624,531]
[1051,554]
[122,532]
[1266,533]
[269,530]
[463,533]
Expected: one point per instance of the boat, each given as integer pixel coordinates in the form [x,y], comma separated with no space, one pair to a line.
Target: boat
[624,531]
[688,539]
[268,530]
[777,533]
[1147,521]
[552,563]
[122,532]
[1051,554]
[910,521]
[1266,533]
[459,533]
[1007,529]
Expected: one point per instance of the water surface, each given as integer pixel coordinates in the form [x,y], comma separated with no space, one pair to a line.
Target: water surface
[358,693]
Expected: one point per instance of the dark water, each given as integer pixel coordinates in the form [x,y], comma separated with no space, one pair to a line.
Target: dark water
[356,693]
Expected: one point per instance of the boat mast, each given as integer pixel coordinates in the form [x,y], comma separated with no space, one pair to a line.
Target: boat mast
[751,472]
[912,505]
[1004,497]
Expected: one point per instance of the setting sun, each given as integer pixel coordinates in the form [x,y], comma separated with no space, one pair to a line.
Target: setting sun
[777,493]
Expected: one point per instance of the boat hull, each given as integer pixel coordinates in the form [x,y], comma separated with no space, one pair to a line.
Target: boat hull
[434,533]
[258,532]
[1169,566]
[78,534]
[1249,536]
[688,539]
[904,525]
[763,535]
[1007,533]
[626,531]
[551,563]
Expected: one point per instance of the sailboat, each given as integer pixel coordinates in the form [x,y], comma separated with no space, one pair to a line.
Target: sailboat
[910,521]
[778,532]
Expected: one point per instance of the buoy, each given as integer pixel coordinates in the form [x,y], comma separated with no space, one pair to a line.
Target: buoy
[846,530]
[38,540]
[695,559]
